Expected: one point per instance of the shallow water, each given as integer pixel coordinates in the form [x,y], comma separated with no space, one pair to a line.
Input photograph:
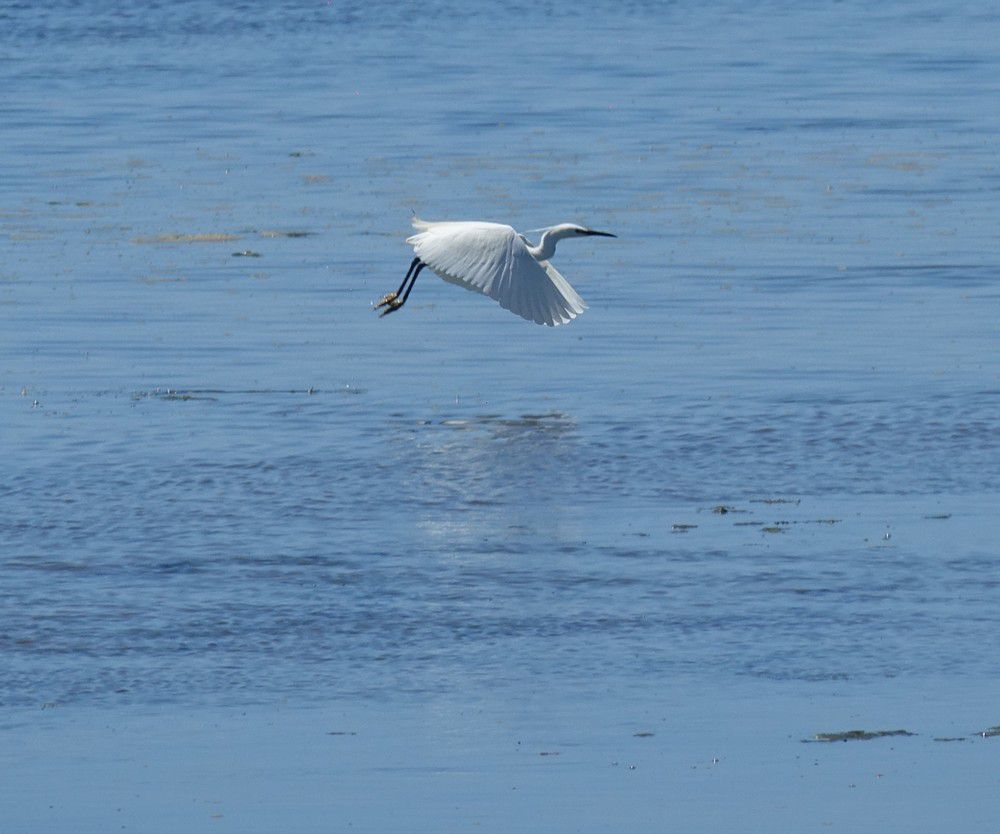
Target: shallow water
[228,483]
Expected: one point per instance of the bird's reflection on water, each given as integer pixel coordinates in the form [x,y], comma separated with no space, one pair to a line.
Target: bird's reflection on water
[553,421]
[490,475]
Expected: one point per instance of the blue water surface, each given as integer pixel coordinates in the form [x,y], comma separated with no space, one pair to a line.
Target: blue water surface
[764,464]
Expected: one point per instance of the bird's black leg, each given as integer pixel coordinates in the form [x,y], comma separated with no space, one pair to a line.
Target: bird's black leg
[388,298]
[393,302]
[413,281]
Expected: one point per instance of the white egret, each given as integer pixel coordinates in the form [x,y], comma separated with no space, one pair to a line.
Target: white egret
[495,260]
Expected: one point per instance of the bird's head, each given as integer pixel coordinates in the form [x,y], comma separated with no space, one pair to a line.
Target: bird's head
[565,230]
[551,235]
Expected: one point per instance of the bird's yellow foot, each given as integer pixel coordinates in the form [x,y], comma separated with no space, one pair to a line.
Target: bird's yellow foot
[386,300]
[390,306]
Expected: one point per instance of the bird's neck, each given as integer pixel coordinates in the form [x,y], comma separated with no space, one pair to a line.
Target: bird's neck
[547,245]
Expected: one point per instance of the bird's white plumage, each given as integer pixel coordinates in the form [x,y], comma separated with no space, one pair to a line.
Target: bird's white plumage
[493,259]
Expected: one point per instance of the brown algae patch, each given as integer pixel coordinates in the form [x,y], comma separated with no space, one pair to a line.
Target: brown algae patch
[917,163]
[220,237]
[152,280]
[173,394]
[276,233]
[683,528]
[184,396]
[857,735]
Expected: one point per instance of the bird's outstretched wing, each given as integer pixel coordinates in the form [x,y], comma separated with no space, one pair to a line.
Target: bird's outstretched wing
[493,259]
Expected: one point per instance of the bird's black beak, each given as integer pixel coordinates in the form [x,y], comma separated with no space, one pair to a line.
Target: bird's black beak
[601,234]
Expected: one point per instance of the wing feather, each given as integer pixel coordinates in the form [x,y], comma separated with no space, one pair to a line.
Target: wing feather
[493,259]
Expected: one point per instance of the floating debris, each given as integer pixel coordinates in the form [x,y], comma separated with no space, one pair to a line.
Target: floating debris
[938,516]
[795,501]
[683,528]
[949,738]
[858,735]
[991,732]
[773,528]
[246,253]
[643,734]
[748,524]
[722,509]
[341,733]
[549,753]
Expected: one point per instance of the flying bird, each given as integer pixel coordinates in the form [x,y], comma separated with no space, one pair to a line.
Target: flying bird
[495,260]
